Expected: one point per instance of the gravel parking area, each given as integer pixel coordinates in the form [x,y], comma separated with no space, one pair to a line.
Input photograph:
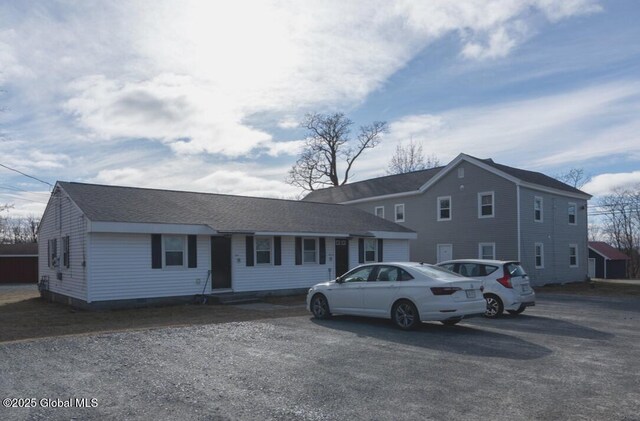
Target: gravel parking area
[568,358]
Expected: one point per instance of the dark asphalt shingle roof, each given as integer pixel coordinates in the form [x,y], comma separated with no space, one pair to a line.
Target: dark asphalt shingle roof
[412,181]
[608,251]
[21,249]
[225,213]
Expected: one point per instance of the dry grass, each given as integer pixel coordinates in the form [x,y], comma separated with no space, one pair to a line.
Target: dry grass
[594,289]
[24,315]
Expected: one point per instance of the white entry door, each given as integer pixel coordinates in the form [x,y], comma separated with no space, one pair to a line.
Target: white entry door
[592,267]
[445,252]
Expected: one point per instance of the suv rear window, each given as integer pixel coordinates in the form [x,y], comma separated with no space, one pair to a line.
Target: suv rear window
[489,269]
[514,269]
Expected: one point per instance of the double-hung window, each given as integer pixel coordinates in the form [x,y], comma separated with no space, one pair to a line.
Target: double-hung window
[399,211]
[174,246]
[370,248]
[539,255]
[487,251]
[309,250]
[537,209]
[379,211]
[485,205]
[573,255]
[444,208]
[263,250]
[572,210]
[65,251]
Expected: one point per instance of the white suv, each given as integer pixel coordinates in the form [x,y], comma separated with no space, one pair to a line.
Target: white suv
[506,285]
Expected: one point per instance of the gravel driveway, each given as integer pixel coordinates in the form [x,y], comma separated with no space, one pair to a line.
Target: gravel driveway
[569,357]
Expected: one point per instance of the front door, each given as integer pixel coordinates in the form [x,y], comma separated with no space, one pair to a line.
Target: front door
[445,252]
[220,262]
[342,256]
[592,267]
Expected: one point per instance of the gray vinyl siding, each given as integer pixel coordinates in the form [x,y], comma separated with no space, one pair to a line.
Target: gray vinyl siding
[556,234]
[465,230]
[62,218]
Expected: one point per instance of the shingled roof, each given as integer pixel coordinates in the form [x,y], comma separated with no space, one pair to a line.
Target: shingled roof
[412,181]
[607,251]
[20,249]
[224,213]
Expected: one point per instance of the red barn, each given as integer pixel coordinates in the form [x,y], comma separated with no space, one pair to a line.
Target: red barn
[18,263]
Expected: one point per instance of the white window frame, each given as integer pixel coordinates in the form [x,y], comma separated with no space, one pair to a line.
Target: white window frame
[315,245]
[481,245]
[535,255]
[493,204]
[375,249]
[164,251]
[438,208]
[375,211]
[575,247]
[255,248]
[575,213]
[535,200]
[395,211]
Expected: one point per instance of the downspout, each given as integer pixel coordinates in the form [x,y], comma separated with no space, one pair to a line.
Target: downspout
[518,210]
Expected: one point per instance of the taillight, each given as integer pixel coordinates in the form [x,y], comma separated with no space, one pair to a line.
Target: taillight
[444,290]
[505,281]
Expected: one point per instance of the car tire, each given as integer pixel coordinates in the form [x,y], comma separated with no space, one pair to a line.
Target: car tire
[405,315]
[518,311]
[494,306]
[320,307]
[451,322]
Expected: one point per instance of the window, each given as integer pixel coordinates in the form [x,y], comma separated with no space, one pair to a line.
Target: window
[469,269]
[379,211]
[485,205]
[309,250]
[444,208]
[572,214]
[399,209]
[461,172]
[487,270]
[487,251]
[449,266]
[263,250]
[53,252]
[573,255]
[539,253]
[370,250]
[65,251]
[537,209]
[358,275]
[173,250]
[392,274]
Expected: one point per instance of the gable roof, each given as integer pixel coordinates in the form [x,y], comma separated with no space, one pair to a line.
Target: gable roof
[606,251]
[20,249]
[223,213]
[414,182]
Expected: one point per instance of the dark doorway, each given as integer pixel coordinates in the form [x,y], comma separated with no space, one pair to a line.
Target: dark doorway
[342,256]
[220,262]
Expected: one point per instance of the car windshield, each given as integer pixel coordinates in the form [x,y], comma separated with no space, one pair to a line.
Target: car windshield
[436,272]
[515,269]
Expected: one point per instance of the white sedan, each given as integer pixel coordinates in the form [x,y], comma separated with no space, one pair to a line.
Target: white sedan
[408,293]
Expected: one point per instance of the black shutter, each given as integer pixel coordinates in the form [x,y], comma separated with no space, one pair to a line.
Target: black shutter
[192,250]
[156,251]
[249,249]
[380,248]
[277,251]
[361,250]
[298,250]
[49,253]
[323,251]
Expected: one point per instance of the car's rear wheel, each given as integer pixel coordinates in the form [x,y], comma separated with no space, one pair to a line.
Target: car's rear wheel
[405,315]
[450,322]
[320,307]
[518,311]
[494,306]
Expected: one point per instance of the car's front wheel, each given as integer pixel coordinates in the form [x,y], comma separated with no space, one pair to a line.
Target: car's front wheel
[320,307]
[517,311]
[494,306]
[405,315]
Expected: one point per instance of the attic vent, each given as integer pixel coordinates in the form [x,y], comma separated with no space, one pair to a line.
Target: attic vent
[461,172]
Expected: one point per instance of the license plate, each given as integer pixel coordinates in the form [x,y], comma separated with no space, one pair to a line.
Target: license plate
[470,293]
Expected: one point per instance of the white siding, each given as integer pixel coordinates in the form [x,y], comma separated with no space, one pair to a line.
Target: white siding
[121,269]
[62,218]
[395,250]
[287,276]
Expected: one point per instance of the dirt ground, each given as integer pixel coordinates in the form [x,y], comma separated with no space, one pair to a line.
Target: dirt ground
[24,315]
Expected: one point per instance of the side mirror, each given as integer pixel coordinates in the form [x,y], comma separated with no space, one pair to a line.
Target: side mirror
[339,280]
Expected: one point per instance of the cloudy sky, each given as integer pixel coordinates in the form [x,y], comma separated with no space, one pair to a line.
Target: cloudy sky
[206,96]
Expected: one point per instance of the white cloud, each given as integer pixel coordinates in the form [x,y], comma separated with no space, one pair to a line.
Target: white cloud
[604,184]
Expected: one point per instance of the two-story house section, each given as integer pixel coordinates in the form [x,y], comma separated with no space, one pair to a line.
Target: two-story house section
[476,208]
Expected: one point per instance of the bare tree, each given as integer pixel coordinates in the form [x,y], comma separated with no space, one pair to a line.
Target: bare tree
[329,146]
[575,177]
[19,230]
[410,158]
